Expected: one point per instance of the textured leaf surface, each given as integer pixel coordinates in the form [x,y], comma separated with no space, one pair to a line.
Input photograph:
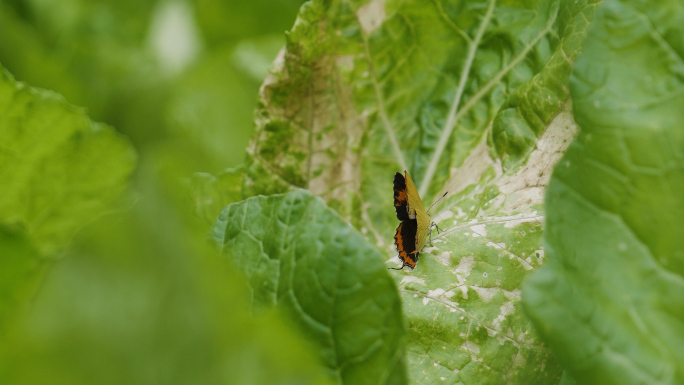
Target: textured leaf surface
[463,308]
[299,255]
[462,301]
[59,170]
[470,98]
[370,88]
[610,301]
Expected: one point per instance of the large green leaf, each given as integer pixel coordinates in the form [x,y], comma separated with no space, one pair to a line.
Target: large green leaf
[139,301]
[463,308]
[470,97]
[610,301]
[368,88]
[59,169]
[299,255]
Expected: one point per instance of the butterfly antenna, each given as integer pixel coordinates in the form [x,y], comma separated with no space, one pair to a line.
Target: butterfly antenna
[437,201]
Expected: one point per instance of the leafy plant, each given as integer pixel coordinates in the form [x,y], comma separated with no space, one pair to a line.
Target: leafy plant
[480,99]
[472,98]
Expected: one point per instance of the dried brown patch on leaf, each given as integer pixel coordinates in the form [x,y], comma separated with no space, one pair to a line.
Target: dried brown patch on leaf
[310,141]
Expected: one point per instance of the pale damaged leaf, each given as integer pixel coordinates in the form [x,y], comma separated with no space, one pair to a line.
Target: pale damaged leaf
[471,98]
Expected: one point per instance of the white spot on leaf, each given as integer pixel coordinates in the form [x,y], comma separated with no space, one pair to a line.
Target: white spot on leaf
[444,215]
[485,293]
[464,291]
[512,295]
[496,324]
[444,258]
[526,187]
[465,266]
[507,308]
[518,359]
[410,278]
[371,16]
[471,347]
[478,230]
[496,245]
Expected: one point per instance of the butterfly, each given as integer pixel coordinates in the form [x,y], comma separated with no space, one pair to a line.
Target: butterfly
[415,222]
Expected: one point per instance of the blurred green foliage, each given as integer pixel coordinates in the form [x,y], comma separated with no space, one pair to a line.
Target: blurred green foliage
[139,299]
[192,89]
[136,298]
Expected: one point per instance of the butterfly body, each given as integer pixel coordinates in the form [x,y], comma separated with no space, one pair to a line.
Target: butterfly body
[415,223]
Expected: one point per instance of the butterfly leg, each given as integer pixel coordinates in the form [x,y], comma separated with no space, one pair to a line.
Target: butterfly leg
[433,224]
[400,268]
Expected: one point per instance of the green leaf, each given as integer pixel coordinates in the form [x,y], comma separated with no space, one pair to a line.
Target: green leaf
[463,300]
[60,170]
[382,92]
[300,256]
[609,303]
[138,301]
[462,304]
[471,98]
[532,105]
